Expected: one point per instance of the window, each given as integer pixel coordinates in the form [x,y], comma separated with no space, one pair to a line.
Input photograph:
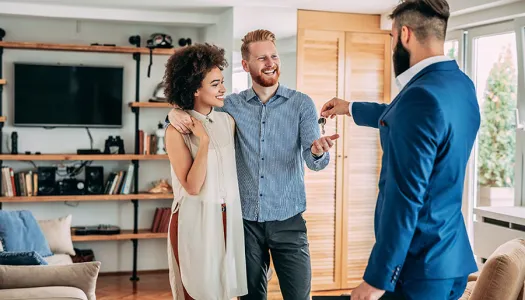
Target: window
[493,59]
[452,49]
[495,77]
[240,81]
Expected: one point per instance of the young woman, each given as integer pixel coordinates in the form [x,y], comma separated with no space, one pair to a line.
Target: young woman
[206,236]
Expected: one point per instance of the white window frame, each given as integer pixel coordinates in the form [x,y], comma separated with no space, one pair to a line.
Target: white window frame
[467,58]
[519,27]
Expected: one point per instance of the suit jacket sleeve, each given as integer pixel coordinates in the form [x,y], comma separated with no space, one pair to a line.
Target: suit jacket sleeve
[367,113]
[415,132]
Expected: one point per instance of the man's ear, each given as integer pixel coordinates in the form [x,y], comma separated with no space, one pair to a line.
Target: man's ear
[245,65]
[406,35]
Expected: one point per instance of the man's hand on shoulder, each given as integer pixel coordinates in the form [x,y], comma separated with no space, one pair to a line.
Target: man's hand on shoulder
[366,292]
[180,120]
[322,145]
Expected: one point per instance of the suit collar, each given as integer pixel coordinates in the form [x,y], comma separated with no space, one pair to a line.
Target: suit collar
[450,65]
[405,77]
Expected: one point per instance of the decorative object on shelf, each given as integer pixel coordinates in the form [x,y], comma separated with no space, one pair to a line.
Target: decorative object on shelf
[161,187]
[134,40]
[14,142]
[160,132]
[184,42]
[158,94]
[83,255]
[158,40]
[114,145]
[102,229]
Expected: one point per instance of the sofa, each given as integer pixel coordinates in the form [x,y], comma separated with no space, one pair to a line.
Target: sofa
[502,276]
[36,263]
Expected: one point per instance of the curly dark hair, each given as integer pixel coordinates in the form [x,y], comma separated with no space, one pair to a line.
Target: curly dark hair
[186,69]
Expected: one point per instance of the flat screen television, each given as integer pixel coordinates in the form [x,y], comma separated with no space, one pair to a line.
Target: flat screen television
[67,96]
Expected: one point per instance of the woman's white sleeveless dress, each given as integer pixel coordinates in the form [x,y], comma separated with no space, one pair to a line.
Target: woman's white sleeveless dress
[210,267]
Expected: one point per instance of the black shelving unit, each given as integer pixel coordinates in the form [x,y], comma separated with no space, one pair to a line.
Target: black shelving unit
[136,53]
[2,35]
[135,40]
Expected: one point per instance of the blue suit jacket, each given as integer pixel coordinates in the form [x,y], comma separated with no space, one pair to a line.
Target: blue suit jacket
[427,134]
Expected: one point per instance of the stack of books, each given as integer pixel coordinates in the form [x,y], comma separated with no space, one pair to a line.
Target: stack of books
[161,219]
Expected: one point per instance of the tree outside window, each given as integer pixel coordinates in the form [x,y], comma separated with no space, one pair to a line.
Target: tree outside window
[497,139]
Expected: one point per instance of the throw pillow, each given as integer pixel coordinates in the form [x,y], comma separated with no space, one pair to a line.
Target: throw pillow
[19,232]
[58,235]
[81,275]
[21,258]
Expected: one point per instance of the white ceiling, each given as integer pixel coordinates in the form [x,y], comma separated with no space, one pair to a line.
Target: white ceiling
[211,6]
[279,16]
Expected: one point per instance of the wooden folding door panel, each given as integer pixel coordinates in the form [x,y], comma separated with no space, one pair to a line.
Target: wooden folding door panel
[367,78]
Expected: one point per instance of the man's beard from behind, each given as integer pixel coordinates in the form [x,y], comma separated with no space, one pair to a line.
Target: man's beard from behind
[262,80]
[401,58]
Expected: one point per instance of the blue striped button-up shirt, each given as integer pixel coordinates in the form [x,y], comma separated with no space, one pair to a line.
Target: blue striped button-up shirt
[273,141]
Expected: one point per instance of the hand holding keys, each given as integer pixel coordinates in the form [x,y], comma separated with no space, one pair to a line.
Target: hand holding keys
[324,143]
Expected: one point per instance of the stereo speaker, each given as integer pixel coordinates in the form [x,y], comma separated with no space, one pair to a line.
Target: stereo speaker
[47,185]
[94,180]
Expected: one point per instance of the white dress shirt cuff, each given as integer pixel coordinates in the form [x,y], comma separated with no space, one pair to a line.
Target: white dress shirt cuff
[350,108]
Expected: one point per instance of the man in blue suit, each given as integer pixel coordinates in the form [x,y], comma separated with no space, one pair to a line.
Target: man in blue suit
[427,132]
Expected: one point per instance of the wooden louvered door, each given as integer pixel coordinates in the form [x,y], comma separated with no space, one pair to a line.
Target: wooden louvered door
[320,75]
[367,78]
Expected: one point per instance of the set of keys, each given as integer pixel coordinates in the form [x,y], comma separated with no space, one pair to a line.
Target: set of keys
[322,122]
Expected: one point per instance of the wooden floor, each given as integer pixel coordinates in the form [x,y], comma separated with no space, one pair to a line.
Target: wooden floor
[152,286]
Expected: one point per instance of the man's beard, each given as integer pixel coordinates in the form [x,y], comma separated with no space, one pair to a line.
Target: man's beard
[401,58]
[263,80]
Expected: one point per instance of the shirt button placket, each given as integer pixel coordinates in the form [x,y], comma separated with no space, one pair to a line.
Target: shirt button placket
[263,153]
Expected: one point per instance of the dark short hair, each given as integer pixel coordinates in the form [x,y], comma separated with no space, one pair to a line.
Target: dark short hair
[425,17]
[186,69]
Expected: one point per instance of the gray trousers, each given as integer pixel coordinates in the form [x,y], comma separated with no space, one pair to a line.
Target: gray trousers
[288,244]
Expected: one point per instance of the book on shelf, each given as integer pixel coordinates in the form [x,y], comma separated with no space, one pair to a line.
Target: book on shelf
[147,143]
[19,183]
[161,219]
[120,182]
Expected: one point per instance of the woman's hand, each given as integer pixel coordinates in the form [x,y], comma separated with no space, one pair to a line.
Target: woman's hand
[198,129]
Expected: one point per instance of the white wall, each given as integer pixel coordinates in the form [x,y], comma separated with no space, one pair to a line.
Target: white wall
[115,256]
[221,35]
[485,16]
[282,22]
[288,53]
[470,13]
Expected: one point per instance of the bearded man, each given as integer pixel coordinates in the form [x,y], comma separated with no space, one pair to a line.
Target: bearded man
[422,249]
[276,131]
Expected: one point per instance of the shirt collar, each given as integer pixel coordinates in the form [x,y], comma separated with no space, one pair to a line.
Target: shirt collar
[404,78]
[201,117]
[282,91]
